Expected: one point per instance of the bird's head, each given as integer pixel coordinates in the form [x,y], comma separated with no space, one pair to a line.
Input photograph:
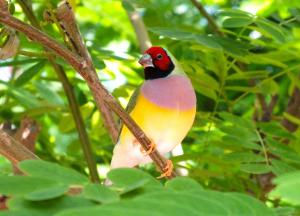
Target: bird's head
[157,63]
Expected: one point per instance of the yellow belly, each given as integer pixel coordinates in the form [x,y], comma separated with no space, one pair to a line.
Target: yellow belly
[166,127]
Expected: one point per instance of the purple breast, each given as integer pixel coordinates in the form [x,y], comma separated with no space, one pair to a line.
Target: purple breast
[175,92]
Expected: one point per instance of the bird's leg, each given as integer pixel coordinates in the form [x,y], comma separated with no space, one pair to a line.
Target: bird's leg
[151,147]
[168,169]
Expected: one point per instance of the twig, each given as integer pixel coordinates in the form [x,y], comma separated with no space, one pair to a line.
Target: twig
[66,16]
[293,109]
[13,150]
[80,65]
[27,133]
[140,30]
[261,141]
[73,105]
[210,20]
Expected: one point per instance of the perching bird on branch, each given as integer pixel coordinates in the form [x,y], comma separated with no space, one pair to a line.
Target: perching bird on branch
[164,106]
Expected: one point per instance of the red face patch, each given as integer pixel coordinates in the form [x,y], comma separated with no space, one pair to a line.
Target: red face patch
[160,58]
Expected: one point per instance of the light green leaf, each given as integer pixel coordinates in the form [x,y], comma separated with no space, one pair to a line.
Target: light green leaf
[100,193]
[291,118]
[20,185]
[47,170]
[288,188]
[47,193]
[126,179]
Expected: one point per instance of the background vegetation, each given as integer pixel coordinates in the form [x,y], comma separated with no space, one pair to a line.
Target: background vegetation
[243,59]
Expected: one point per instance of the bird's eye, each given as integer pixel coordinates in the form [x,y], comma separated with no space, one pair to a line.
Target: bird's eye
[159,56]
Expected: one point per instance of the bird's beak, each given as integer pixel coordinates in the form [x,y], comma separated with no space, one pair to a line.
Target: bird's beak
[146,61]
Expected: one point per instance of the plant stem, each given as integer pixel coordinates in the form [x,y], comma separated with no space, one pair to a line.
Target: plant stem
[210,20]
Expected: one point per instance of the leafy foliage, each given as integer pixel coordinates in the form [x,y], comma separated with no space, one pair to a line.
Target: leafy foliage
[129,193]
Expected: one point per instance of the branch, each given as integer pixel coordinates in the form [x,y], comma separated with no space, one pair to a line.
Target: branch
[210,20]
[27,133]
[13,150]
[67,19]
[100,94]
[140,30]
[293,109]
[73,105]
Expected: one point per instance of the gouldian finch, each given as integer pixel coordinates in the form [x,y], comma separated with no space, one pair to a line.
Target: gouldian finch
[164,106]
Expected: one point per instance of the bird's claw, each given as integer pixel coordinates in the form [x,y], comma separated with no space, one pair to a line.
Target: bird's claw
[168,169]
[151,148]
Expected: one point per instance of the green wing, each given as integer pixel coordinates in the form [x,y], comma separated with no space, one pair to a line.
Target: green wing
[130,106]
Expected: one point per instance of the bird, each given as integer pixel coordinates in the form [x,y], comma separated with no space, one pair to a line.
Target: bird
[164,106]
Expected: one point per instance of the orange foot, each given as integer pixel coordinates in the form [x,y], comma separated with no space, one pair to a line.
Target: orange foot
[168,169]
[151,148]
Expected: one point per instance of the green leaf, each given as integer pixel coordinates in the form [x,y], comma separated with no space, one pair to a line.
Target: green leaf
[126,179]
[183,184]
[248,75]
[100,193]
[237,120]
[284,152]
[176,34]
[268,87]
[67,123]
[271,29]
[288,188]
[275,129]
[47,193]
[256,168]
[47,170]
[232,47]
[291,118]
[280,167]
[48,207]
[177,203]
[20,185]
[234,13]
[25,98]
[19,62]
[128,6]
[29,73]
[237,22]
[47,93]
[244,157]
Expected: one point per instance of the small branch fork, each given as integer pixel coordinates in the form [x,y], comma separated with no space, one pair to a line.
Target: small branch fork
[81,65]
